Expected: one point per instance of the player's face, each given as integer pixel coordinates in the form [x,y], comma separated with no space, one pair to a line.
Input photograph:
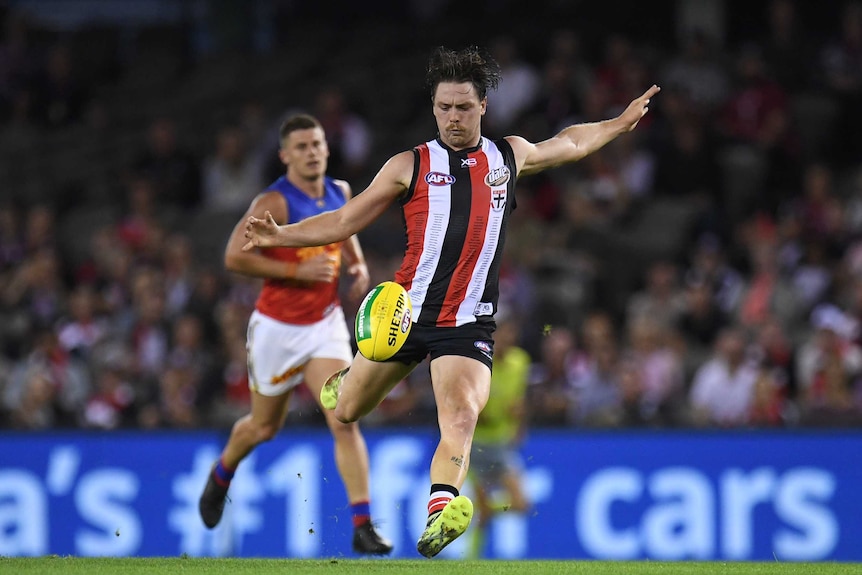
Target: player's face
[305,152]
[459,112]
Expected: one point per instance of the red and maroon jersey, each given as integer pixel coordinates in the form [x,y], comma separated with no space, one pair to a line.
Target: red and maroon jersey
[295,301]
[455,214]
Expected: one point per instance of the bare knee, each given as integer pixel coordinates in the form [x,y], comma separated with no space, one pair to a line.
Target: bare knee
[458,421]
[345,414]
[265,432]
[342,429]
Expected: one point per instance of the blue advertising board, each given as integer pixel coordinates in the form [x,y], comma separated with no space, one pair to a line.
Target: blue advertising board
[616,495]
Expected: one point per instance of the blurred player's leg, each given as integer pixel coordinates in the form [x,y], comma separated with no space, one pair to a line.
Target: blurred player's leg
[262,424]
[351,457]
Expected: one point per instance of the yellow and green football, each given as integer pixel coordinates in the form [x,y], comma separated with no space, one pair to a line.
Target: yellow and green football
[383,321]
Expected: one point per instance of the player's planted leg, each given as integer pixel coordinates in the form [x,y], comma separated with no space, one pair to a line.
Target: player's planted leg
[367,541]
[211,503]
[446,526]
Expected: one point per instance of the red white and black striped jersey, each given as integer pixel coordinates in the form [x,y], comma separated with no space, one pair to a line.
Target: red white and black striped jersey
[455,214]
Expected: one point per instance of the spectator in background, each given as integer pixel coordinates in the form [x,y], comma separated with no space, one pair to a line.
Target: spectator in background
[179,272]
[565,81]
[495,464]
[347,134]
[17,62]
[173,170]
[12,247]
[829,365]
[774,347]
[556,101]
[709,264]
[59,98]
[698,74]
[701,320]
[686,167]
[231,396]
[768,291]
[110,267]
[841,64]
[38,287]
[40,228]
[612,73]
[756,121]
[661,300]
[84,328]
[550,393]
[768,403]
[140,218]
[232,176]
[30,400]
[111,404]
[148,334]
[206,303]
[819,210]
[658,368]
[636,167]
[596,392]
[722,392]
[49,386]
[787,49]
[517,90]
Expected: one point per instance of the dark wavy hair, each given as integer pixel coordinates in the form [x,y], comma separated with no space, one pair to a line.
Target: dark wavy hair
[471,64]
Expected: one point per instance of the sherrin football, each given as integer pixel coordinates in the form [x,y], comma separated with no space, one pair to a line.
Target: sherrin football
[383,321]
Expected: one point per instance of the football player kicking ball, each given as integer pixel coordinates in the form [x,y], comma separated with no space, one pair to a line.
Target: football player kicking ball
[457,192]
[297,332]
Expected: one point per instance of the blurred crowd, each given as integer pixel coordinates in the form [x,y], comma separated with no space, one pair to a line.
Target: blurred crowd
[705,270]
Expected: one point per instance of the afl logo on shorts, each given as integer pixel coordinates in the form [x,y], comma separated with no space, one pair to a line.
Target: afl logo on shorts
[439,179]
[485,348]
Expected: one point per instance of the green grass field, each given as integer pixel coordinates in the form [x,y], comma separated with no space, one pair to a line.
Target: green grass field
[54,565]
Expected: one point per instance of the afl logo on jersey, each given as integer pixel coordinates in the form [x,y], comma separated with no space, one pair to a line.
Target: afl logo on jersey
[439,179]
[497,177]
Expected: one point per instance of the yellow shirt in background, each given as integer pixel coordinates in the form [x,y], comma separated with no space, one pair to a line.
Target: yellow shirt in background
[497,424]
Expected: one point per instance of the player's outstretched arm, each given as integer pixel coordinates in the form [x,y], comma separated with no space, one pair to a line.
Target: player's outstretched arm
[579,140]
[336,225]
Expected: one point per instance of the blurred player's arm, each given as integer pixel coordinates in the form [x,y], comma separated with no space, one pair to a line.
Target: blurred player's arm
[253,263]
[354,258]
[338,225]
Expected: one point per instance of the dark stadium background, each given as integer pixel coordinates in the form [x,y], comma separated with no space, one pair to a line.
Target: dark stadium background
[117,317]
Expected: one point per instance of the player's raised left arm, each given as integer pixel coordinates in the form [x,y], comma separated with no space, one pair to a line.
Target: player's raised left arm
[579,140]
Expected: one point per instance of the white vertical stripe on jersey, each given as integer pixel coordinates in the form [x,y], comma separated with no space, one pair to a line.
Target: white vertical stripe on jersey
[439,207]
[479,279]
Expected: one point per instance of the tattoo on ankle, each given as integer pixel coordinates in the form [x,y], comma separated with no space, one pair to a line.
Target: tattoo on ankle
[458,460]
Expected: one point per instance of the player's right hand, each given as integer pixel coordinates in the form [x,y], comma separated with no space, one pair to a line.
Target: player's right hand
[261,233]
[320,268]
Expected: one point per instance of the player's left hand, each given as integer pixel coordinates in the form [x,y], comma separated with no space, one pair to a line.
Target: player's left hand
[261,233]
[638,108]
[361,281]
